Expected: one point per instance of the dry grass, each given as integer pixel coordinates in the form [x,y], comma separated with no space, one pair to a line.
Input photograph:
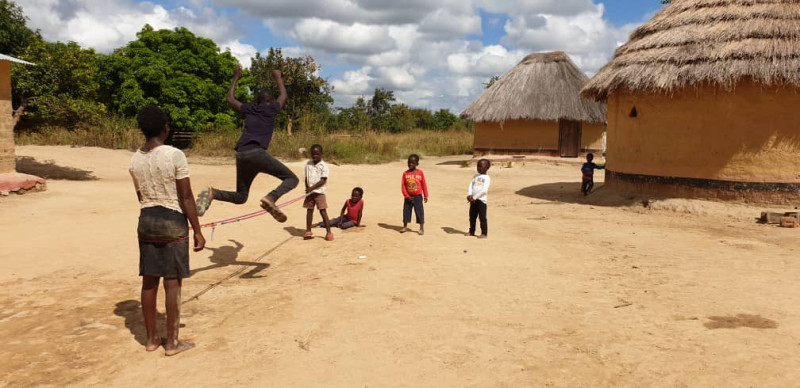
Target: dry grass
[368,147]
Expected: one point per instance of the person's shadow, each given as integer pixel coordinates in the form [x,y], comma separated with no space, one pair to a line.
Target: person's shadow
[396,228]
[131,310]
[450,230]
[226,255]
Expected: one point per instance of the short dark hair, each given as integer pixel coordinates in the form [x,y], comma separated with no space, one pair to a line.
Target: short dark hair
[488,162]
[152,121]
[589,156]
[264,95]
[414,156]
[359,190]
[315,147]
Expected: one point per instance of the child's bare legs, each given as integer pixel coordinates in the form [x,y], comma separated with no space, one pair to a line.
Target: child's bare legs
[172,289]
[309,219]
[324,214]
[149,294]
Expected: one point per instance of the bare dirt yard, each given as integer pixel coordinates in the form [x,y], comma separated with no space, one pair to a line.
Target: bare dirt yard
[566,291]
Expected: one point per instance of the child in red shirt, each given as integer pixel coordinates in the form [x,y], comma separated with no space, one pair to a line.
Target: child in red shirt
[415,192]
[351,211]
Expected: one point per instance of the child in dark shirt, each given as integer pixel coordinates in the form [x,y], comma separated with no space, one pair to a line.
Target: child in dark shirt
[588,174]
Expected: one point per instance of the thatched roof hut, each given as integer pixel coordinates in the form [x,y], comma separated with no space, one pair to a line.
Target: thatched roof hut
[712,42]
[699,101]
[521,112]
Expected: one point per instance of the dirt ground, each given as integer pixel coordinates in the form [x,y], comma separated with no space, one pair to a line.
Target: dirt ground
[566,291]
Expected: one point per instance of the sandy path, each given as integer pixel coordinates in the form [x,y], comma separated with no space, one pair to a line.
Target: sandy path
[566,291]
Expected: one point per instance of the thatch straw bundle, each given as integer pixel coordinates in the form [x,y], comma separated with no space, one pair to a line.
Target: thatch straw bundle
[707,42]
[543,86]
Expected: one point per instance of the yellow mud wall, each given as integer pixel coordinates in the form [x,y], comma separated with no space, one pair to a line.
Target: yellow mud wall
[7,161]
[523,135]
[592,136]
[749,134]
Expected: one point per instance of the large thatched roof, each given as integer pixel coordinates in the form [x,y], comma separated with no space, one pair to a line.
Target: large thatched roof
[714,42]
[543,86]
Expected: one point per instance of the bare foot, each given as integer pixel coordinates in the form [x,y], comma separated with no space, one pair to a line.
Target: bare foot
[150,346]
[421,232]
[404,230]
[180,347]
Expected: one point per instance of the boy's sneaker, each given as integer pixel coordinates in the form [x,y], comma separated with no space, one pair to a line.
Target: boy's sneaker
[204,201]
[272,209]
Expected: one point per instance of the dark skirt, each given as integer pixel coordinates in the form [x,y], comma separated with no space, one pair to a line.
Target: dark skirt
[163,243]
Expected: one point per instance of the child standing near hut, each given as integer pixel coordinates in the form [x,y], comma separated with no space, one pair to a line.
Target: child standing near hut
[415,192]
[161,179]
[316,178]
[588,174]
[478,198]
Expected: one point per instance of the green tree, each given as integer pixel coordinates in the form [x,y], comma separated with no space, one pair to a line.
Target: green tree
[355,118]
[379,108]
[423,118]
[63,81]
[402,118]
[186,75]
[491,81]
[308,92]
[444,119]
[15,36]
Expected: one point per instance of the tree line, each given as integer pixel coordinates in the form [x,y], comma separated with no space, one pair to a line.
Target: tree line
[188,77]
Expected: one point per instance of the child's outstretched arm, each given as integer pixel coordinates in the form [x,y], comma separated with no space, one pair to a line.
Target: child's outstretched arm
[189,207]
[403,188]
[424,185]
[360,212]
[282,95]
[341,214]
[231,98]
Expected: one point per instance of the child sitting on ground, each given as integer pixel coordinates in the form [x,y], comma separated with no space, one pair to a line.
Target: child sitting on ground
[478,196]
[351,211]
[415,192]
[316,178]
[588,174]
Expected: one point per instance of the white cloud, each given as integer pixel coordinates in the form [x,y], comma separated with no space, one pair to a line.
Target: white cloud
[428,51]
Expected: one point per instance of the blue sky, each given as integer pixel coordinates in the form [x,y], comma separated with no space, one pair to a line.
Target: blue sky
[432,53]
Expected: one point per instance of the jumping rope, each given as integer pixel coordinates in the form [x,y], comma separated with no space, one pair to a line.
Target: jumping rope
[213,225]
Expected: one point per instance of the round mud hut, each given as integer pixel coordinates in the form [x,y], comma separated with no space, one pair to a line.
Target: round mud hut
[536,108]
[703,101]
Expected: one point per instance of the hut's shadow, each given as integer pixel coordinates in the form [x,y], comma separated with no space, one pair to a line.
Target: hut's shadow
[49,170]
[226,255]
[461,163]
[570,192]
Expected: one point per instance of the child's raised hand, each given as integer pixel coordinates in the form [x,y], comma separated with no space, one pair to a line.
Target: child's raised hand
[238,72]
[276,73]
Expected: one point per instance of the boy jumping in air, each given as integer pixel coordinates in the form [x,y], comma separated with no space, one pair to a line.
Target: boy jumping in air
[252,157]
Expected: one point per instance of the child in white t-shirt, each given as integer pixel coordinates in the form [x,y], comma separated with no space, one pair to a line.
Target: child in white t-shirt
[316,178]
[478,196]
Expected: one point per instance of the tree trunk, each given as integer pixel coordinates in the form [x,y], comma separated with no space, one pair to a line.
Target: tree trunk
[289,127]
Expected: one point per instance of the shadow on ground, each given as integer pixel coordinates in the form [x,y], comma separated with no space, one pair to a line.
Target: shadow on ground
[450,230]
[131,310]
[570,192]
[462,163]
[225,256]
[49,170]
[740,320]
[395,228]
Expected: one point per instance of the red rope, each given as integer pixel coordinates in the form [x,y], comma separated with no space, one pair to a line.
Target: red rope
[249,215]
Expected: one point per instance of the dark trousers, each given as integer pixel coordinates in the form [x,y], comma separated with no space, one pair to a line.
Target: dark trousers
[248,164]
[477,209]
[586,186]
[416,203]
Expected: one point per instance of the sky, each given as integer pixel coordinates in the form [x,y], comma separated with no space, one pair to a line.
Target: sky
[434,54]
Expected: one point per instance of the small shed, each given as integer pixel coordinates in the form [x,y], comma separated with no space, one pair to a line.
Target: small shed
[536,108]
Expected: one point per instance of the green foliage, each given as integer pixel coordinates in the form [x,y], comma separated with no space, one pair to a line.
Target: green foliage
[64,82]
[379,109]
[15,36]
[491,81]
[184,74]
[444,119]
[307,92]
